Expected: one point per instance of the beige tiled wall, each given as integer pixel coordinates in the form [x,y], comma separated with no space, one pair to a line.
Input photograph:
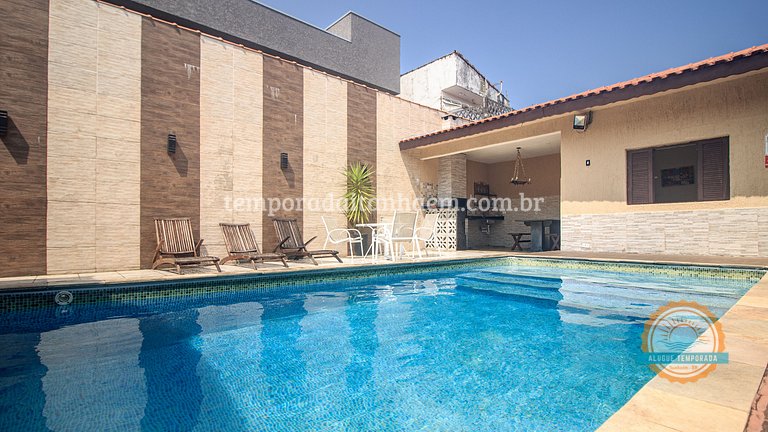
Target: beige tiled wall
[325,152]
[399,173]
[93,136]
[216,140]
[247,138]
[230,139]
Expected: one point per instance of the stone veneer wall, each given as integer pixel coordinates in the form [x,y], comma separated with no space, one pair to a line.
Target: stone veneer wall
[118,82]
[452,177]
[726,232]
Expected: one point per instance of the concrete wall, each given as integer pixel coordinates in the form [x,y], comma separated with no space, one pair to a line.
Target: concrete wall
[450,76]
[425,85]
[117,83]
[352,47]
[594,210]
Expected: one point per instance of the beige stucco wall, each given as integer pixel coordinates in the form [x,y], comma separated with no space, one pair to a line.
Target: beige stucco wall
[735,108]
[596,215]
[94,92]
[593,206]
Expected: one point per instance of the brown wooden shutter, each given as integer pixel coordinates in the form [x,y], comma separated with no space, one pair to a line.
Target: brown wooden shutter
[640,176]
[714,183]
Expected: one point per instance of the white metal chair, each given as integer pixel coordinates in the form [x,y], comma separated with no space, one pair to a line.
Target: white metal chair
[403,230]
[350,236]
[426,231]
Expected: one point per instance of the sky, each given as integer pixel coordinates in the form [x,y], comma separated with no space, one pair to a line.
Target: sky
[546,50]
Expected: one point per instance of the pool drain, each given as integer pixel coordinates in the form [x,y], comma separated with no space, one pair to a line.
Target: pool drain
[63,298]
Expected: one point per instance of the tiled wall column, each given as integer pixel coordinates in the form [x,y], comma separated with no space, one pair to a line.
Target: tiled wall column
[23,93]
[231,105]
[283,132]
[72,130]
[217,98]
[361,130]
[452,177]
[93,135]
[170,102]
[325,152]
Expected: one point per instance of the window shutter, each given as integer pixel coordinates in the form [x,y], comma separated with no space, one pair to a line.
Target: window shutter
[713,160]
[639,177]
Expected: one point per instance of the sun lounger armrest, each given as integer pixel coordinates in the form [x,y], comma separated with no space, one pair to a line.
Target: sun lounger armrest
[279,245]
[309,241]
[197,247]
[158,248]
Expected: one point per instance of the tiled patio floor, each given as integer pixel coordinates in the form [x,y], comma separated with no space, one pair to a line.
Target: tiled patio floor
[138,276]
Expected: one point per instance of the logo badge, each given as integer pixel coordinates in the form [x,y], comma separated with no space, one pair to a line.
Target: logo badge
[683,342]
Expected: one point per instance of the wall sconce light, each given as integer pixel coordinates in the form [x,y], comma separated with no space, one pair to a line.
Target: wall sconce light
[171,143]
[3,123]
[283,161]
[581,121]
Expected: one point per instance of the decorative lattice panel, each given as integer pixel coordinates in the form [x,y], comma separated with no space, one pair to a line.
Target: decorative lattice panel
[445,233]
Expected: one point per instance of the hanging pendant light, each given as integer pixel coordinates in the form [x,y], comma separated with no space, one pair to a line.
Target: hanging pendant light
[519,178]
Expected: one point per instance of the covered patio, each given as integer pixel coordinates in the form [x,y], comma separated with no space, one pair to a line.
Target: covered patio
[500,213]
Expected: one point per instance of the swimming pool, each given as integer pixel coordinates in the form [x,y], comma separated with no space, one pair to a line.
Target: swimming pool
[493,346]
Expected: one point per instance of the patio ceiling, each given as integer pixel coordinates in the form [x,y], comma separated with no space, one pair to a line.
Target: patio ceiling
[540,145]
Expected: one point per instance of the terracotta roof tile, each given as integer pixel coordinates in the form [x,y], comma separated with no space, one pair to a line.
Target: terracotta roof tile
[621,85]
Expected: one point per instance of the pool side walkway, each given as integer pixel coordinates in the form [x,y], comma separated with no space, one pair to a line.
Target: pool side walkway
[726,398]
[652,259]
[141,276]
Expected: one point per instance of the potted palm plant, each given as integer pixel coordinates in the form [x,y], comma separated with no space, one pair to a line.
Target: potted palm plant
[359,198]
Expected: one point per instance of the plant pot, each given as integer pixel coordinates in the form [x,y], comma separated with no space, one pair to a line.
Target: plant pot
[360,251]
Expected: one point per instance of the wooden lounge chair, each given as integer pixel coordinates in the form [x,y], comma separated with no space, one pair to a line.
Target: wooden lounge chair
[242,245]
[176,245]
[292,244]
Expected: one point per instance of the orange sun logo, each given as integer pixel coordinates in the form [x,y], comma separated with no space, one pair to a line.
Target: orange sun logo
[683,342]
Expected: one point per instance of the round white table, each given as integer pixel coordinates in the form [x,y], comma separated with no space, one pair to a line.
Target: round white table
[374,227]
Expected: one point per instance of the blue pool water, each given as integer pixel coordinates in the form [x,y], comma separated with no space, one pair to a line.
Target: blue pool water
[483,349]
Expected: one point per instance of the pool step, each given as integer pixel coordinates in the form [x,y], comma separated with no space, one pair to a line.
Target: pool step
[510,279]
[720,288]
[475,282]
[619,303]
[621,291]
